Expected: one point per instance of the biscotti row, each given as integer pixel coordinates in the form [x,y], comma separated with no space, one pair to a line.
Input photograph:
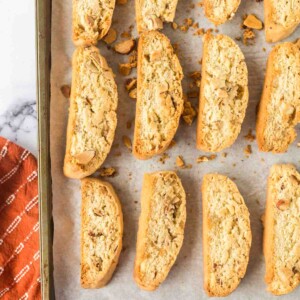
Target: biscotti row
[226,231]
[92,18]
[222,106]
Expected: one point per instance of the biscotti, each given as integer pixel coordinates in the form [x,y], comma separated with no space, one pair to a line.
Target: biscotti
[91,20]
[226,235]
[279,109]
[150,15]
[159,95]
[282,230]
[220,11]
[281,18]
[161,228]
[223,93]
[101,232]
[92,117]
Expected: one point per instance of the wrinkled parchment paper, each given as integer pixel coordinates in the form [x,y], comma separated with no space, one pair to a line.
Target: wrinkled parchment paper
[185,281]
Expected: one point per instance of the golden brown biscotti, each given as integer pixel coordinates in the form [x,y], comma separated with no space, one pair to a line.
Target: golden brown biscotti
[279,109]
[220,11]
[91,20]
[226,235]
[159,95]
[150,15]
[223,93]
[281,18]
[101,232]
[92,116]
[161,228]
[282,230]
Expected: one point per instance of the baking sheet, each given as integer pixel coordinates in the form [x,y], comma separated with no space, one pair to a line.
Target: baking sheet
[185,281]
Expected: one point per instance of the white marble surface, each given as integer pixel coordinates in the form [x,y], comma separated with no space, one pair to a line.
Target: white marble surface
[18,119]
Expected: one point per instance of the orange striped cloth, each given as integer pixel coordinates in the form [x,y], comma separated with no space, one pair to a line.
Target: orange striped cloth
[19,224]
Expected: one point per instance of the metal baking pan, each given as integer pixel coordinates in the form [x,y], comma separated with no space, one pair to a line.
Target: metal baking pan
[43,46]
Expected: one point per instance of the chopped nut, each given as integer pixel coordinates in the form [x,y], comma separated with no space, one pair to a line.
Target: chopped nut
[204,158]
[298,144]
[164,157]
[224,154]
[174,25]
[122,2]
[189,113]
[111,36]
[130,83]
[200,31]
[127,142]
[85,157]
[248,150]
[133,93]
[282,204]
[66,90]
[125,47]
[157,23]
[133,59]
[125,69]
[126,35]
[107,172]
[250,137]
[184,28]
[196,76]
[253,22]
[248,35]
[155,55]
[180,162]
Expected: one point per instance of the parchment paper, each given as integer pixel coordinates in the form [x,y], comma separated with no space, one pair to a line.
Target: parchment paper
[185,281]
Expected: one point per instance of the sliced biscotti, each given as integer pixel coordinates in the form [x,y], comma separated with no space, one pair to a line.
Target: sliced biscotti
[226,235]
[150,15]
[91,20]
[101,232]
[223,93]
[281,18]
[220,11]
[92,117]
[282,230]
[279,109]
[159,95]
[161,228]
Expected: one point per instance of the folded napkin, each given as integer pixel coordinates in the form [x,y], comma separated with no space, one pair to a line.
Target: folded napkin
[19,224]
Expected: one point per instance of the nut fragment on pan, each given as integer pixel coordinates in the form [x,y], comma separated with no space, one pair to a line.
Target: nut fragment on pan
[253,22]
[125,47]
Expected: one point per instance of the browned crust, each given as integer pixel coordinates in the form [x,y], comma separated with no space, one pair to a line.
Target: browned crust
[205,229]
[135,149]
[106,277]
[268,236]
[147,189]
[80,41]
[199,142]
[262,115]
[138,15]
[71,170]
[275,32]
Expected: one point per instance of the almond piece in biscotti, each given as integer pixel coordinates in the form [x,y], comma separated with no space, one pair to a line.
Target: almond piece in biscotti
[85,157]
